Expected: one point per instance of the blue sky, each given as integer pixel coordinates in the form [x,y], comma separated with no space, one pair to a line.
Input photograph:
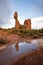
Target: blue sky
[32,9]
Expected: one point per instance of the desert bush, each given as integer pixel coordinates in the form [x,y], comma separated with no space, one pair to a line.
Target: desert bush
[13,31]
[22,35]
[22,27]
[33,32]
[36,36]
[41,30]
[4,30]
[21,31]
[40,34]
[3,41]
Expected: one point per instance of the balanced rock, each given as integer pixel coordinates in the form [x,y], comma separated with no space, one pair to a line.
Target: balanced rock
[27,23]
[17,24]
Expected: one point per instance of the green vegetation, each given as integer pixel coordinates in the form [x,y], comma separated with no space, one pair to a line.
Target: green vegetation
[3,41]
[36,36]
[41,30]
[24,32]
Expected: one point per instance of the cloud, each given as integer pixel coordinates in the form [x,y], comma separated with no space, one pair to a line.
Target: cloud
[37,22]
[9,24]
[29,9]
[4,12]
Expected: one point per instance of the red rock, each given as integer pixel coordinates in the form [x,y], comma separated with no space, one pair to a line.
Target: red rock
[27,24]
[17,24]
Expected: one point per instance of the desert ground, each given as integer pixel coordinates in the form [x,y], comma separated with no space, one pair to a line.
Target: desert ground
[34,57]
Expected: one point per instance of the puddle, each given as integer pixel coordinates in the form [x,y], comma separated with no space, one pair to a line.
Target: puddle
[12,51]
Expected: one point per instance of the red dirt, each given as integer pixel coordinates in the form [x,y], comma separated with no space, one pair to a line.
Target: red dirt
[33,58]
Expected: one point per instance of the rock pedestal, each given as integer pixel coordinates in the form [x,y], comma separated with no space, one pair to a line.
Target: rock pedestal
[17,24]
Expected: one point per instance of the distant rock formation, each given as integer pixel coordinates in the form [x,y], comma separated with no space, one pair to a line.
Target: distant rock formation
[27,23]
[17,24]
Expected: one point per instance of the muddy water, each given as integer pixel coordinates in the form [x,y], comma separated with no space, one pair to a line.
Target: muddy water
[12,51]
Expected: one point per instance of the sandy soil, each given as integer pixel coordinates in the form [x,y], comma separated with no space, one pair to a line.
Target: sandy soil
[33,58]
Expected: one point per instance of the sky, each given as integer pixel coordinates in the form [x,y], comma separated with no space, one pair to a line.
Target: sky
[26,9]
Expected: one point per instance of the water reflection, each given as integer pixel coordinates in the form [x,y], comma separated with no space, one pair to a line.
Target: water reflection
[14,50]
[17,47]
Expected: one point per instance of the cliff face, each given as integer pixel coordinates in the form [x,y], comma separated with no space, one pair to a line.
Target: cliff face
[27,23]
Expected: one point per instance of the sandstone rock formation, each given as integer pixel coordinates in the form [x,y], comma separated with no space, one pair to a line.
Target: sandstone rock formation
[27,24]
[17,24]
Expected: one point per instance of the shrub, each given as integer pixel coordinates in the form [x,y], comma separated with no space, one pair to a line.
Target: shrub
[33,32]
[36,36]
[41,30]
[22,35]
[3,41]
[13,31]
[21,31]
[40,34]
[22,27]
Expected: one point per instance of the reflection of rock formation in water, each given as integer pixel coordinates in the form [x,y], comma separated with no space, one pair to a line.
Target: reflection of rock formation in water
[17,24]
[17,47]
[27,23]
